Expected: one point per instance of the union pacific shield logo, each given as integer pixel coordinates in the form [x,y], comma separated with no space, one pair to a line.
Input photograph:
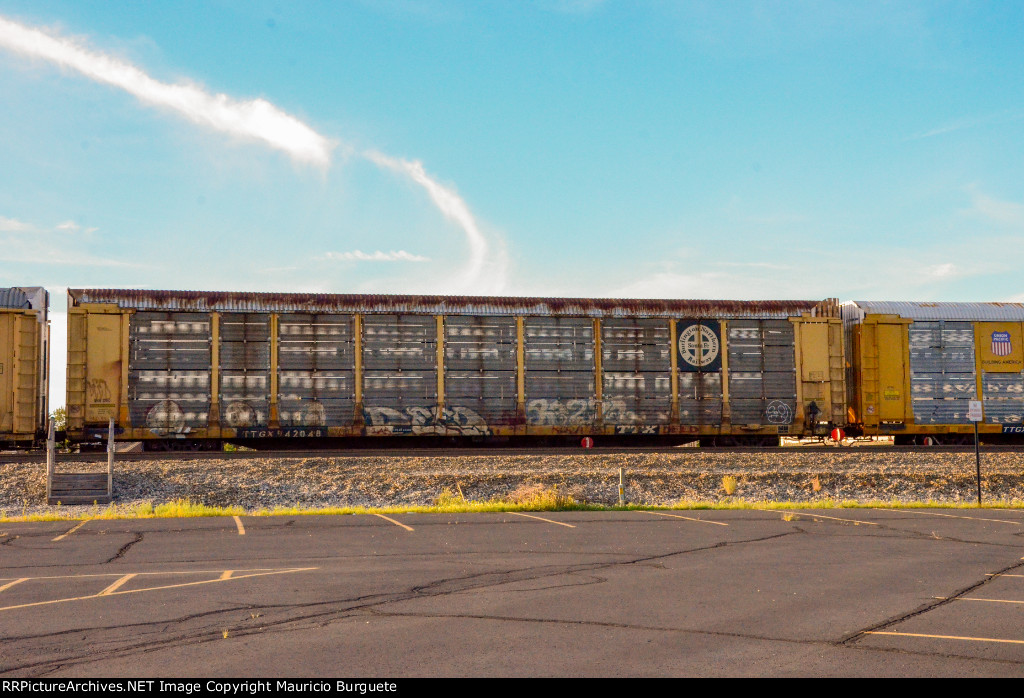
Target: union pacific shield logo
[1001,344]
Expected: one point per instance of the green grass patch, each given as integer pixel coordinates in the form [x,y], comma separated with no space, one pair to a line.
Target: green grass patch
[526,498]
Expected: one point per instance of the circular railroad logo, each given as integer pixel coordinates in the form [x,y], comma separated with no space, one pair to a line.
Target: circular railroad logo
[698,345]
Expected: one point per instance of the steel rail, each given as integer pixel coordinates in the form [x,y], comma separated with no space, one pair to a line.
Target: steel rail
[421,452]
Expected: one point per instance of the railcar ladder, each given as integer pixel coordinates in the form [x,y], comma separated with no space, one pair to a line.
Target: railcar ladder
[79,488]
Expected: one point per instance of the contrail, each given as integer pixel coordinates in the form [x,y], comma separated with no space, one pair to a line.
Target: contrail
[449,203]
[255,119]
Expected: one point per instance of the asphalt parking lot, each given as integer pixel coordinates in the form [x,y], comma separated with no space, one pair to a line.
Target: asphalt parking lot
[843,592]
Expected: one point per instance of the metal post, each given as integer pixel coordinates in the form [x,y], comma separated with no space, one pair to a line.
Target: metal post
[51,447]
[110,457]
[622,488]
[977,460]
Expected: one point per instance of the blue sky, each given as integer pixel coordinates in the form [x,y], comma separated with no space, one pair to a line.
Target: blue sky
[748,150]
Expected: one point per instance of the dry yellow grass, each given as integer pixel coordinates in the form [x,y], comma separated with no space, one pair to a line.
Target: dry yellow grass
[729,485]
[524,498]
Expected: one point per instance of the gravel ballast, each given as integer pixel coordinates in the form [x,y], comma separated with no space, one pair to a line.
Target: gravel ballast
[859,474]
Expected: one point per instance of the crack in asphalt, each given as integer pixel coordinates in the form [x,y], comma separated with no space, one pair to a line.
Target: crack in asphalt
[858,635]
[330,609]
[124,548]
[323,613]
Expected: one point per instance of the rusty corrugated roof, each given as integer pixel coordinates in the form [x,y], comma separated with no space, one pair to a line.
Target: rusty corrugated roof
[237,301]
[911,310]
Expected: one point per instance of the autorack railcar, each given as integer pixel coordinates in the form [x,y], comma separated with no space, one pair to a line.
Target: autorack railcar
[24,365]
[914,367]
[188,368]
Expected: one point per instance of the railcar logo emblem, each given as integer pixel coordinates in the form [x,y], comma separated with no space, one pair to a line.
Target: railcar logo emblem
[698,345]
[1001,345]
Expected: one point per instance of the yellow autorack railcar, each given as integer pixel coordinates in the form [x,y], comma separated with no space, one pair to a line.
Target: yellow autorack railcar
[24,365]
[915,367]
[191,369]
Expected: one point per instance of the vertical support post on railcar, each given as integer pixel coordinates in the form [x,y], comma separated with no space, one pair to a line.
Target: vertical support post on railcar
[673,356]
[520,372]
[799,415]
[724,349]
[51,447]
[122,398]
[110,458]
[598,374]
[213,417]
[275,416]
[357,351]
[440,369]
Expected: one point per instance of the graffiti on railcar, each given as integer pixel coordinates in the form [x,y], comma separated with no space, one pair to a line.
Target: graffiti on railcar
[553,412]
[571,430]
[454,420]
[645,429]
[99,391]
[778,412]
[166,417]
[240,414]
[311,414]
[617,412]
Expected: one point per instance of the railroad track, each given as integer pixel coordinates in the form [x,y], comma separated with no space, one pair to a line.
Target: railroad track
[101,456]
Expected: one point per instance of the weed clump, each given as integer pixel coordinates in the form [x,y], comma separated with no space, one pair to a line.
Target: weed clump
[448,499]
[729,485]
[536,496]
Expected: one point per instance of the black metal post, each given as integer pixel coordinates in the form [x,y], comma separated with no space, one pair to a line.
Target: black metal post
[977,460]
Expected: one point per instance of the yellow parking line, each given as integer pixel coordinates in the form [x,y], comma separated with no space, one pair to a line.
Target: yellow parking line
[65,535]
[541,518]
[226,574]
[677,516]
[397,523]
[142,574]
[241,528]
[950,516]
[159,588]
[974,598]
[8,585]
[946,637]
[116,585]
[1000,574]
[855,522]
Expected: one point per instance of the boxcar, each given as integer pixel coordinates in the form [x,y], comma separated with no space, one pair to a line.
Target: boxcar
[195,367]
[24,365]
[915,366]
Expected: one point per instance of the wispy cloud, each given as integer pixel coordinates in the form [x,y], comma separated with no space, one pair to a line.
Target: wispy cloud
[10,225]
[27,243]
[255,119]
[946,270]
[1007,213]
[968,122]
[454,209]
[378,256]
